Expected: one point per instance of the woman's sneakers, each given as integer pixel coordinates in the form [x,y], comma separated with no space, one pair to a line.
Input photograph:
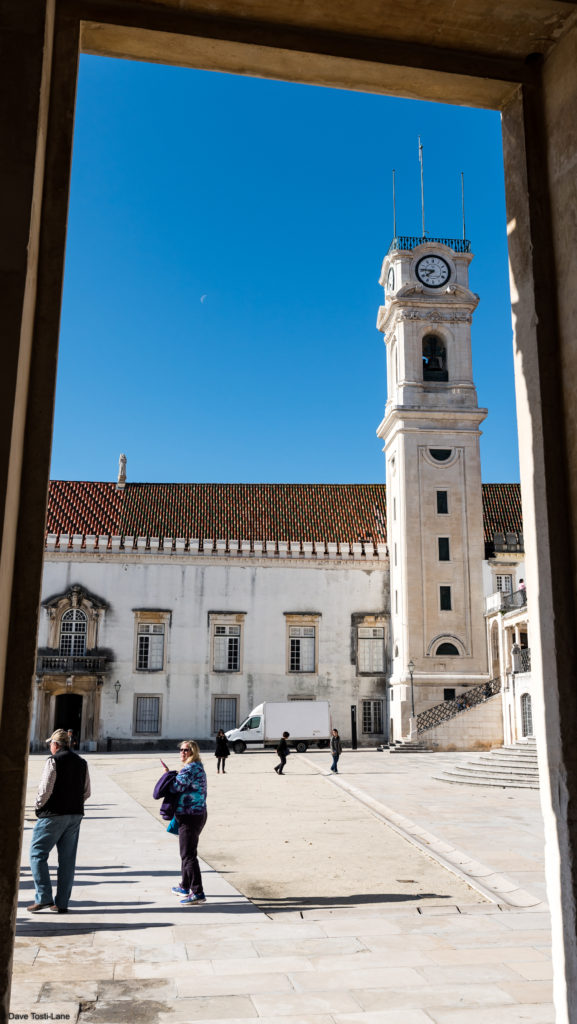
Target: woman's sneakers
[192,900]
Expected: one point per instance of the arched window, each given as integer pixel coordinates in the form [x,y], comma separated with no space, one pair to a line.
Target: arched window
[434,358]
[526,715]
[447,649]
[73,633]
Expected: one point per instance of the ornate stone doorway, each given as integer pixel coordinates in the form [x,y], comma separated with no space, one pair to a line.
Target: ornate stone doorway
[68,712]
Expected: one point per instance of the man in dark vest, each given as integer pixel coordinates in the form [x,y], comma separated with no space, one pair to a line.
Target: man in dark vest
[64,786]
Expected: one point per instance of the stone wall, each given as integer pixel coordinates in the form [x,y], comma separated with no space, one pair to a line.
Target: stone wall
[479,728]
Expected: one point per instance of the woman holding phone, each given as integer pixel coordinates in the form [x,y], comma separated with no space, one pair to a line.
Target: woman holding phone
[189,787]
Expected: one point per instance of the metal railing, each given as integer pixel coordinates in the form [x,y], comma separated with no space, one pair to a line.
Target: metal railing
[506,602]
[61,664]
[450,708]
[412,241]
[522,660]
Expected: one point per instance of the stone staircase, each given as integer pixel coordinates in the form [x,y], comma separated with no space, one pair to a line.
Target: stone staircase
[408,747]
[513,767]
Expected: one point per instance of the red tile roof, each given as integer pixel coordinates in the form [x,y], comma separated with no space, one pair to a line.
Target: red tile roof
[502,511]
[330,512]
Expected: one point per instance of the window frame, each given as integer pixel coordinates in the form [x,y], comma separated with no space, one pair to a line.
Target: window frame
[440,544]
[70,615]
[223,696]
[373,702]
[146,696]
[294,621]
[227,621]
[446,494]
[364,641]
[151,617]
[445,590]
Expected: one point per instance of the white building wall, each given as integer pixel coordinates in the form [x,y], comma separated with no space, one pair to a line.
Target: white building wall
[190,590]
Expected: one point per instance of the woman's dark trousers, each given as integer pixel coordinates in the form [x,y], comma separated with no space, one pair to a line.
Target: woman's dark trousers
[189,828]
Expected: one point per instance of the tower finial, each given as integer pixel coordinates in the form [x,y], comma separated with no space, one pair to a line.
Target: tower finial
[121,481]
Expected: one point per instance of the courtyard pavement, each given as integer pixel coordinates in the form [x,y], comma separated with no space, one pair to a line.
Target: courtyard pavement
[464,940]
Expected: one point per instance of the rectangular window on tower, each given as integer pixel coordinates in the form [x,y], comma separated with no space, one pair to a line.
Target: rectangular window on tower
[444,551]
[442,503]
[445,599]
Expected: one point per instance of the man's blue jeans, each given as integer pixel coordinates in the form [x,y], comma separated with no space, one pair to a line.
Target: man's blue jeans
[60,831]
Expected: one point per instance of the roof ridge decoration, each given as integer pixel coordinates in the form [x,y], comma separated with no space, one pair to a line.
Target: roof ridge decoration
[92,544]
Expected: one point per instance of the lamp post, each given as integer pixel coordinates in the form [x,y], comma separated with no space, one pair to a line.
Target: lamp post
[117,686]
[411,668]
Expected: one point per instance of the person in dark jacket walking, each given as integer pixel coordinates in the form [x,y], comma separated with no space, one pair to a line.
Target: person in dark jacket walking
[64,786]
[283,752]
[337,749]
[222,750]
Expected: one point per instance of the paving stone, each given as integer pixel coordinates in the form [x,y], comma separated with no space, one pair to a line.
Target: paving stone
[304,1004]
[160,954]
[162,969]
[331,946]
[155,989]
[427,996]
[528,991]
[505,1014]
[489,955]
[393,957]
[383,1017]
[67,991]
[221,949]
[235,984]
[534,972]
[265,965]
[372,977]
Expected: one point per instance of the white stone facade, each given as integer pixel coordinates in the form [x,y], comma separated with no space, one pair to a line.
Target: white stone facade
[185,598]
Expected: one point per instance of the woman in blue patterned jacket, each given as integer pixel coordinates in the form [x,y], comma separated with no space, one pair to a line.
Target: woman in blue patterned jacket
[189,786]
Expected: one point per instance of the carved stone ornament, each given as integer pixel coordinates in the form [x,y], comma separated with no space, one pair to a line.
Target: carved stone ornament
[436,316]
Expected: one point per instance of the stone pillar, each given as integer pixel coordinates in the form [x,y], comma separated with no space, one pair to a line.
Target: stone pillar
[38,120]
[542,227]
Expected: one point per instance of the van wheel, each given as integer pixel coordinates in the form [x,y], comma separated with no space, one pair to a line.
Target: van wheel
[301,747]
[239,747]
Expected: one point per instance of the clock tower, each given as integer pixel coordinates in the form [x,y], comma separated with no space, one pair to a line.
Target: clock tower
[434,499]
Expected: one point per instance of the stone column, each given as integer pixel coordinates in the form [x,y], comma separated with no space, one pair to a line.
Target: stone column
[38,120]
[541,188]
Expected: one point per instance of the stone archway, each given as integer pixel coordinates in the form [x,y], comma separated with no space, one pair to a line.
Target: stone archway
[527,68]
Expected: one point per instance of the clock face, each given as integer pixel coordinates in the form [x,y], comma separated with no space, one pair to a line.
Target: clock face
[433,271]
[391,280]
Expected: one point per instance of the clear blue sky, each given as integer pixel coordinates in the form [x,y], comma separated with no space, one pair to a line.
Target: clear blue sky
[221,291]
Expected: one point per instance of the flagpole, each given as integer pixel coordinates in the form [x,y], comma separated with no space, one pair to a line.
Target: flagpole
[422,186]
[394,208]
[463,202]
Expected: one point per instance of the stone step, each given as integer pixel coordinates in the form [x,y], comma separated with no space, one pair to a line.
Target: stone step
[410,746]
[529,762]
[514,767]
[477,780]
[492,772]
